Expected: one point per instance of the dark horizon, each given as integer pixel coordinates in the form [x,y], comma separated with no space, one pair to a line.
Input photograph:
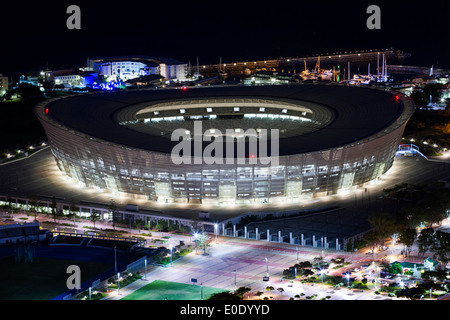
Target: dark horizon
[36,33]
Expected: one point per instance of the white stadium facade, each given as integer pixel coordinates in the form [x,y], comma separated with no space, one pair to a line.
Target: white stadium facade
[331,138]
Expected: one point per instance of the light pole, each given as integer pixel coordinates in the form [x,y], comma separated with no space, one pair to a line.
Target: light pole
[196,237]
[322,271]
[145,274]
[216,230]
[297,253]
[171,250]
[118,282]
[115,260]
[201,291]
[267,266]
[234,281]
[347,275]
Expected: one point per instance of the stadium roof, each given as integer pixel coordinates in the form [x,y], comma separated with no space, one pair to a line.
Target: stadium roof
[360,113]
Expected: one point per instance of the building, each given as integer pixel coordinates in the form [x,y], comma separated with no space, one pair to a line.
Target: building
[129,67]
[172,69]
[30,80]
[417,268]
[3,84]
[125,70]
[23,233]
[73,78]
[332,139]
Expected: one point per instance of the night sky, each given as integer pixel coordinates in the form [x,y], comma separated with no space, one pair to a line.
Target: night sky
[34,33]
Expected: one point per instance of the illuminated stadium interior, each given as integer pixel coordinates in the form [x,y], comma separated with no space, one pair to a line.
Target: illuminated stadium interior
[219,115]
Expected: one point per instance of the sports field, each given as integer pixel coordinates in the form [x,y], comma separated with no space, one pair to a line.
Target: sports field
[161,290]
[42,279]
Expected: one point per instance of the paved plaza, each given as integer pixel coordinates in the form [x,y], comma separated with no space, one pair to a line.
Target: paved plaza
[248,259]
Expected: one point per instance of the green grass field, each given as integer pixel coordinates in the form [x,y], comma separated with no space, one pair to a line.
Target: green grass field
[42,279]
[160,290]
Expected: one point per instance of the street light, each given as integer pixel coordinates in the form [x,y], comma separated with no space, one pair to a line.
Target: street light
[171,250]
[216,230]
[267,266]
[347,275]
[115,259]
[145,274]
[297,253]
[322,272]
[118,282]
[201,291]
[196,237]
[234,281]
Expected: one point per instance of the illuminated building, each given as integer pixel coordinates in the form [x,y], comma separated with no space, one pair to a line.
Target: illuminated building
[332,138]
[3,84]
[129,67]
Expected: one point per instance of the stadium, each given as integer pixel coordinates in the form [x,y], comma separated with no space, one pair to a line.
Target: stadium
[330,139]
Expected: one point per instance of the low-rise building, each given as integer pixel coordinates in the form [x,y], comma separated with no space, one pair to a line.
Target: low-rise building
[3,84]
[72,78]
[23,233]
[129,67]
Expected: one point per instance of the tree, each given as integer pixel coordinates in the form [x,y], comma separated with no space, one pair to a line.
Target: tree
[396,268]
[34,200]
[414,293]
[425,240]
[434,90]
[420,99]
[72,209]
[203,240]
[383,225]
[114,211]
[441,246]
[94,216]
[28,92]
[54,208]
[372,240]
[408,237]
[303,265]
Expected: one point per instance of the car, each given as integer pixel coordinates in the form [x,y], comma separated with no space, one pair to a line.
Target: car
[265,278]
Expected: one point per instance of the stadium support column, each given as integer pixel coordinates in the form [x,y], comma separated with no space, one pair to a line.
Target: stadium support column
[314,241]
[337,244]
[257,233]
[223,229]
[234,230]
[268,235]
[291,240]
[245,232]
[279,237]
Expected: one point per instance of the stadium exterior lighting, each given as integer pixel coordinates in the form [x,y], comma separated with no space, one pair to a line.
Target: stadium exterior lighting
[155,153]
